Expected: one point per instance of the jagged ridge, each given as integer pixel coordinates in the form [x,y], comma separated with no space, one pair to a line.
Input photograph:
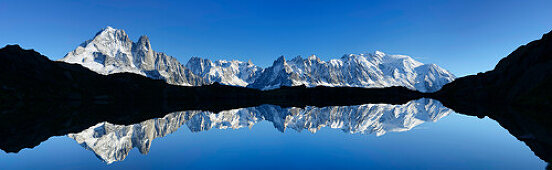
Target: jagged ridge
[364,70]
[111,51]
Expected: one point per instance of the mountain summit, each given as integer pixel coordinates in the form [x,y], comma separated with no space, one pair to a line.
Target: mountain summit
[233,72]
[111,51]
[364,70]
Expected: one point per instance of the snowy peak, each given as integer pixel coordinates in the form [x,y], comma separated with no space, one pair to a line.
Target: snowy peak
[314,58]
[111,51]
[225,72]
[110,34]
[357,70]
[199,65]
[108,38]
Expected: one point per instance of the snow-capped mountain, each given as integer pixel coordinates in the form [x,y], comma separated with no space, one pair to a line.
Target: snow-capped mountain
[225,72]
[364,70]
[113,142]
[111,51]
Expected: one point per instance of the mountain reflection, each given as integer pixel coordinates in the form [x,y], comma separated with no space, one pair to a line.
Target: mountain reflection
[112,142]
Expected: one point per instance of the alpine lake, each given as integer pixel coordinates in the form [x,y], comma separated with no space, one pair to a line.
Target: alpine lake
[421,134]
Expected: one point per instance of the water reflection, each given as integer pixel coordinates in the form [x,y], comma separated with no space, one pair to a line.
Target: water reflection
[111,142]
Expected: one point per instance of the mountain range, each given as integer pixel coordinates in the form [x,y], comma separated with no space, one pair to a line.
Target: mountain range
[111,51]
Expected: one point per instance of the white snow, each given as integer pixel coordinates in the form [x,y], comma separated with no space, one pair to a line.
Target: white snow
[362,70]
[111,51]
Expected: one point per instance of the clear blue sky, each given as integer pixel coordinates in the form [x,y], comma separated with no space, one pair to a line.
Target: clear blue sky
[463,36]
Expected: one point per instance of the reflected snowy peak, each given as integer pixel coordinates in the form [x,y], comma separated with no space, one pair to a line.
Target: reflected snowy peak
[114,142]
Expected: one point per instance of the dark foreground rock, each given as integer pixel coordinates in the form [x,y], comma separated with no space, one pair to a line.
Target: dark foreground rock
[522,78]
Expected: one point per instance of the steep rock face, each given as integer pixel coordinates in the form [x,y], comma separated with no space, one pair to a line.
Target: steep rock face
[111,51]
[225,72]
[523,77]
[364,70]
[113,142]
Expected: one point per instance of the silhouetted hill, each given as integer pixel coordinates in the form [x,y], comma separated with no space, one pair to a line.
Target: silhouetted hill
[522,78]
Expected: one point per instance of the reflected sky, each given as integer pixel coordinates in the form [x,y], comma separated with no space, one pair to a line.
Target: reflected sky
[268,136]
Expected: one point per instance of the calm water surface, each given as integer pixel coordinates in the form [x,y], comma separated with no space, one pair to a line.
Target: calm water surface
[421,134]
